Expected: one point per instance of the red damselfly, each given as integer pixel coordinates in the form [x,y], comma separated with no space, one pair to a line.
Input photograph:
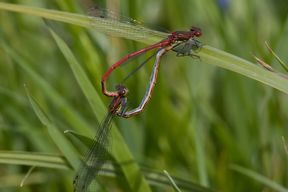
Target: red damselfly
[97,154]
[182,42]
[184,39]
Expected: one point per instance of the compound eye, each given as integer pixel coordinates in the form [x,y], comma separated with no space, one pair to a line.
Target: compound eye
[196,31]
[193,29]
[124,92]
[199,33]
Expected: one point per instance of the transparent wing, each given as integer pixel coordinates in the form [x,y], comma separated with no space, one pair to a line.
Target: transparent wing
[95,157]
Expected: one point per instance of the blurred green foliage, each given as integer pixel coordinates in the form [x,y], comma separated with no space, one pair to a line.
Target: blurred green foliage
[201,120]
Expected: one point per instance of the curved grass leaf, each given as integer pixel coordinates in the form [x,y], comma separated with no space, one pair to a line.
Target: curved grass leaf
[59,139]
[208,54]
[175,187]
[225,60]
[71,115]
[33,159]
[256,176]
[59,162]
[82,79]
[120,149]
[124,30]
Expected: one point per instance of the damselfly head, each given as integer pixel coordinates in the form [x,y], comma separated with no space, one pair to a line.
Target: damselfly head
[196,31]
[122,90]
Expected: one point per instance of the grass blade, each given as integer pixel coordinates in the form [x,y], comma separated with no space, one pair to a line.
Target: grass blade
[71,115]
[82,79]
[230,62]
[175,187]
[58,137]
[124,30]
[208,54]
[120,149]
[58,162]
[33,159]
[259,178]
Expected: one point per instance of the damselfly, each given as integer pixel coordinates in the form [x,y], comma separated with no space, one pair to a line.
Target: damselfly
[182,42]
[97,154]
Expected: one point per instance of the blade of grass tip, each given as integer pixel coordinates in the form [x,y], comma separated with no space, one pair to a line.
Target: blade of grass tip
[175,187]
[120,150]
[62,143]
[83,139]
[284,65]
[27,175]
[12,180]
[87,88]
[259,178]
[263,64]
[104,25]
[230,62]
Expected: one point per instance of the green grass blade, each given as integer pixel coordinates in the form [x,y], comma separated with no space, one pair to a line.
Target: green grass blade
[174,185]
[71,115]
[124,30]
[283,64]
[200,150]
[225,60]
[120,149]
[59,139]
[33,159]
[58,162]
[86,141]
[27,175]
[82,79]
[259,178]
[208,54]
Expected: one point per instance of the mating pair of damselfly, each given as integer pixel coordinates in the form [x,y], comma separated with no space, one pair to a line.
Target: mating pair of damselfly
[184,44]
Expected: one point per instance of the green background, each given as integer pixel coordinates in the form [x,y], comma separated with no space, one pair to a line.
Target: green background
[204,124]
